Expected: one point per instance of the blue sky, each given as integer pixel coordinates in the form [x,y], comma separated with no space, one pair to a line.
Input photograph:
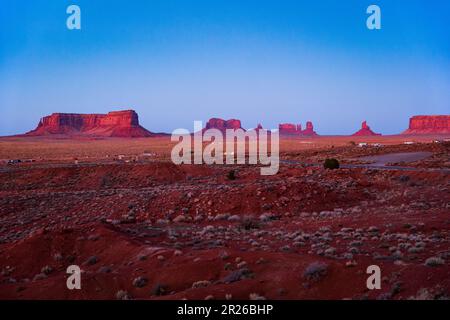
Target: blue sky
[259,61]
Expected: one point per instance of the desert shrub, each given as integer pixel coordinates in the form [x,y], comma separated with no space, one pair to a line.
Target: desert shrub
[256,296]
[331,164]
[434,262]
[105,181]
[238,275]
[140,282]
[231,175]
[249,223]
[315,271]
[47,270]
[201,284]
[91,260]
[123,295]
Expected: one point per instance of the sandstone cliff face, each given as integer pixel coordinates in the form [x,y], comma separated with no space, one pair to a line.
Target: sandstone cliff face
[114,124]
[428,124]
[365,131]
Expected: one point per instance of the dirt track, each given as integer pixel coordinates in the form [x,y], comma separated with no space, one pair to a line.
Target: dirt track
[385,159]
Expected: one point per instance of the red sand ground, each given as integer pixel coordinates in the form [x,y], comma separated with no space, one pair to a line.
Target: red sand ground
[190,232]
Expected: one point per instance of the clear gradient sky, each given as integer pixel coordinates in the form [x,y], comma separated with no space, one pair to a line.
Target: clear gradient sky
[259,61]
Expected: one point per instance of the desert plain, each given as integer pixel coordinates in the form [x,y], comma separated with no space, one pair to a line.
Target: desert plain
[141,227]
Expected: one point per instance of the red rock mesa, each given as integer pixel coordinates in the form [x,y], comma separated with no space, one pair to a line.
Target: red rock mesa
[365,131]
[428,124]
[293,129]
[290,129]
[114,124]
[222,125]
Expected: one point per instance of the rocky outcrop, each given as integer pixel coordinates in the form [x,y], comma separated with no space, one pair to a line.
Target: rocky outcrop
[222,125]
[309,130]
[114,124]
[429,125]
[296,129]
[365,131]
[290,129]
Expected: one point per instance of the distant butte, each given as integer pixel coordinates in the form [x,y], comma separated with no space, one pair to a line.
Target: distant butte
[365,131]
[123,124]
[309,130]
[286,129]
[291,129]
[223,125]
[429,125]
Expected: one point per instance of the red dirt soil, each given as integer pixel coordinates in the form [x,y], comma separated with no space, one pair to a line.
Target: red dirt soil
[149,229]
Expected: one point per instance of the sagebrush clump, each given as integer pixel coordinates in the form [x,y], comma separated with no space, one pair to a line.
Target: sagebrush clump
[315,271]
[231,175]
[249,223]
[331,164]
